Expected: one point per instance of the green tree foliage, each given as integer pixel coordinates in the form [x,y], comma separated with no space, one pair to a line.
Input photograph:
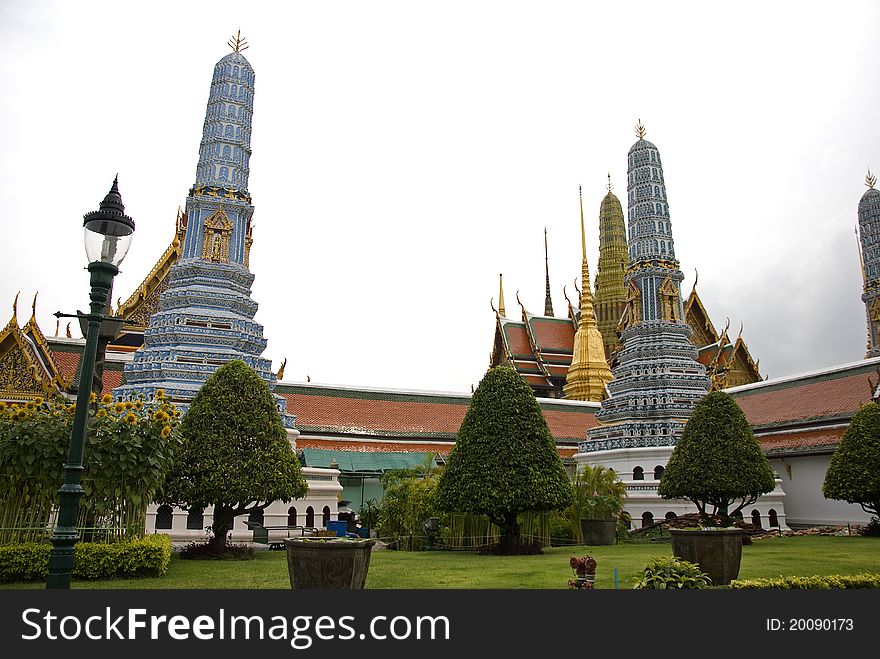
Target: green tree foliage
[854,472]
[717,461]
[409,500]
[235,454]
[504,461]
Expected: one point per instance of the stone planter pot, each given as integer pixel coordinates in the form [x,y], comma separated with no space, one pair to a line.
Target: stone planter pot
[599,531]
[329,563]
[717,551]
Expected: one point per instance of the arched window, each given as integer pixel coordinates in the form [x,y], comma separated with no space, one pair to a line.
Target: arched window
[326,516]
[224,173]
[756,518]
[256,517]
[195,519]
[774,520]
[647,518]
[671,515]
[638,474]
[310,516]
[658,472]
[229,131]
[164,517]
[291,516]
[238,133]
[234,71]
[226,89]
[662,246]
[230,110]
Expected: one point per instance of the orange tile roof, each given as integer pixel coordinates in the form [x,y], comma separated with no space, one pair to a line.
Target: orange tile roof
[385,414]
[372,447]
[553,334]
[517,339]
[796,441]
[799,400]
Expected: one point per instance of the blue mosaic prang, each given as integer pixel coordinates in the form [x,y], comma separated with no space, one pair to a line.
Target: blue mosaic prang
[205,316]
[657,380]
[869,238]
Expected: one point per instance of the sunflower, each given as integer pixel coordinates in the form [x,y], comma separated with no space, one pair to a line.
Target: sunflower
[139,404]
[2,406]
[160,416]
[166,430]
[101,414]
[107,399]
[131,418]
[93,397]
[160,394]
[119,407]
[129,405]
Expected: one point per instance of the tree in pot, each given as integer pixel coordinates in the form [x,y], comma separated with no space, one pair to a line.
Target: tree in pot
[854,472]
[504,461]
[717,462]
[235,453]
[598,499]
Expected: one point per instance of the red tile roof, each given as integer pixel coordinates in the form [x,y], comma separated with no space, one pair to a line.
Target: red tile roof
[797,441]
[834,395]
[373,447]
[517,339]
[553,334]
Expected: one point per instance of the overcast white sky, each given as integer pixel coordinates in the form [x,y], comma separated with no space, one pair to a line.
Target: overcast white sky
[405,153]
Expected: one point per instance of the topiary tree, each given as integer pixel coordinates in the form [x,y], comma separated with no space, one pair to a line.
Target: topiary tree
[854,472]
[235,453]
[717,461]
[504,461]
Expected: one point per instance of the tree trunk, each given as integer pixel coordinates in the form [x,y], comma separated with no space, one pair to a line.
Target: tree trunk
[510,537]
[223,519]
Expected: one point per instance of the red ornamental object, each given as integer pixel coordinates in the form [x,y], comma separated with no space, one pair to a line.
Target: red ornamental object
[585,572]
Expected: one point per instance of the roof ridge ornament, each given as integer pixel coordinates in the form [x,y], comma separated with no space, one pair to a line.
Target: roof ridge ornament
[640,130]
[237,43]
[870,180]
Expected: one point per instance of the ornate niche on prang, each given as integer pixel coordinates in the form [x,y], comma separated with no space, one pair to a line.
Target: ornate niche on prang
[215,243]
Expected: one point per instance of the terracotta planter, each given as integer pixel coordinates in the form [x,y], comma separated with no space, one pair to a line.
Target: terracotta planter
[331,563]
[599,531]
[717,551]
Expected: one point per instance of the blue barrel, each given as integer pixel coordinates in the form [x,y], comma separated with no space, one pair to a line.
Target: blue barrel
[340,526]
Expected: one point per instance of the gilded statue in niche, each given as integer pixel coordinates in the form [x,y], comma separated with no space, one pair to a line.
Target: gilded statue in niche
[668,301]
[215,243]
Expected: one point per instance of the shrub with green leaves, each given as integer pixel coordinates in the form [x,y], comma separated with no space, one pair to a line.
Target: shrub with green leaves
[854,472]
[142,557]
[504,461]
[235,454]
[130,447]
[409,500]
[815,582]
[671,573]
[717,461]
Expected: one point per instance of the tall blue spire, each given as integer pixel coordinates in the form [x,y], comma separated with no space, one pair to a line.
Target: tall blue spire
[205,315]
[869,243]
[657,380]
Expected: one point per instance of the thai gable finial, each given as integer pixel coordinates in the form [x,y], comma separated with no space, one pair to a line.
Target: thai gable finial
[34,307]
[281,370]
[237,43]
[69,335]
[57,325]
[739,336]
[492,304]
[870,179]
[696,279]
[577,288]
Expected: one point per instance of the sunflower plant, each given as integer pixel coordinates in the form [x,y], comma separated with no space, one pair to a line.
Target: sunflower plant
[130,446]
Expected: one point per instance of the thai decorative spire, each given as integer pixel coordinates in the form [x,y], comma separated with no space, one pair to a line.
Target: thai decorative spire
[501,310]
[205,316]
[548,302]
[869,240]
[657,380]
[589,372]
[613,261]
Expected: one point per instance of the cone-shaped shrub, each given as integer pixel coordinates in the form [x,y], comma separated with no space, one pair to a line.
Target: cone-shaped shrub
[717,461]
[504,461]
[854,472]
[235,453]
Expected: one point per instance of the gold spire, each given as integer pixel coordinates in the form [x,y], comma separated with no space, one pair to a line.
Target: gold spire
[870,179]
[589,372]
[501,309]
[640,130]
[237,43]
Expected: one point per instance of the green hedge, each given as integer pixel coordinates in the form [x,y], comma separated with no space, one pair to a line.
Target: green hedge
[147,557]
[814,582]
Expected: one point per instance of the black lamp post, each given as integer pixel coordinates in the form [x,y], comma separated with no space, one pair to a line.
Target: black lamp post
[108,233]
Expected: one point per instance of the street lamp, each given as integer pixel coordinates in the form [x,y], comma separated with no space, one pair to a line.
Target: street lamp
[108,233]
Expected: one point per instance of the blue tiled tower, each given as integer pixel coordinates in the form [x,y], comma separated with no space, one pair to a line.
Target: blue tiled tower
[657,380]
[869,239]
[205,316]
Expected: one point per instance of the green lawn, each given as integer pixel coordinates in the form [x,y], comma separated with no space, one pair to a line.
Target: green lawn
[799,555]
